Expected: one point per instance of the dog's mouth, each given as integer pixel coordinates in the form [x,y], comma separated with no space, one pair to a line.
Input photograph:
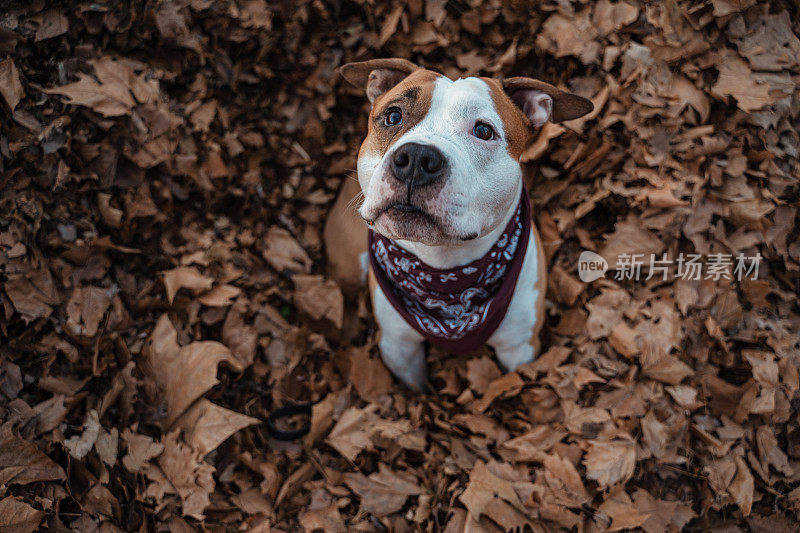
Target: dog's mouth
[405,207]
[408,221]
[405,210]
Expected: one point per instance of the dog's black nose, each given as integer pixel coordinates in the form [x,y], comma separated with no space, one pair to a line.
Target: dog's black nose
[418,164]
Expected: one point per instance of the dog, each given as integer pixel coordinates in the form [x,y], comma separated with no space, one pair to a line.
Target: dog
[453,256]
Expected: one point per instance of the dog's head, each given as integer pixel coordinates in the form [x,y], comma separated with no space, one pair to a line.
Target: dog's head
[440,163]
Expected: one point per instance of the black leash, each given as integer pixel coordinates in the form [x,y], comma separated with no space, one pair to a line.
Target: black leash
[285,412]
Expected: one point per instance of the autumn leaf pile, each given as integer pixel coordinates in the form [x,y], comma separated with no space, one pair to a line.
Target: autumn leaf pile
[166,168]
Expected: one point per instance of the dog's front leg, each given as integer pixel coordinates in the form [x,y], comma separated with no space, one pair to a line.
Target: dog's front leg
[402,348]
[511,356]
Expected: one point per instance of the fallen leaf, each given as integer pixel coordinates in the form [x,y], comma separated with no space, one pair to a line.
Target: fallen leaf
[661,514]
[240,336]
[368,374]
[736,79]
[630,237]
[206,425]
[21,461]
[110,97]
[610,462]
[85,309]
[284,253]
[79,446]
[564,481]
[32,294]
[319,298]
[18,517]
[141,449]
[483,488]
[327,519]
[533,445]
[220,296]
[52,23]
[508,384]
[623,514]
[106,446]
[383,492]
[184,373]
[252,502]
[10,86]
[188,474]
[742,487]
[186,277]
[480,372]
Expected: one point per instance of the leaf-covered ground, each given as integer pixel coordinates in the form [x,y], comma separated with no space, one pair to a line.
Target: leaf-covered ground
[166,170]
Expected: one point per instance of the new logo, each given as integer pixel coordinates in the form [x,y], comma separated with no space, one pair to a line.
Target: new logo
[591,266]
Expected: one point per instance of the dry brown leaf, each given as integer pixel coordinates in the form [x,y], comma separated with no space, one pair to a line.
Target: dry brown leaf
[52,23]
[742,488]
[252,502]
[389,25]
[630,237]
[623,514]
[239,336]
[32,294]
[665,368]
[769,43]
[608,17]
[533,445]
[188,475]
[110,97]
[184,373]
[564,481]
[202,116]
[353,431]
[327,519]
[141,449]
[736,79]
[563,36]
[206,425]
[319,298]
[80,445]
[509,384]
[483,488]
[605,312]
[10,86]
[383,492]
[623,340]
[220,296]
[610,462]
[727,7]
[22,462]
[185,277]
[356,429]
[661,514]
[18,517]
[480,372]
[577,419]
[368,374]
[85,309]
[655,435]
[283,252]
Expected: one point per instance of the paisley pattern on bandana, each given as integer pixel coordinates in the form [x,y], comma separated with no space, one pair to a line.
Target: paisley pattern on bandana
[456,309]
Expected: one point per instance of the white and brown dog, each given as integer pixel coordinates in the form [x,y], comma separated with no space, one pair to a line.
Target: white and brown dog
[453,256]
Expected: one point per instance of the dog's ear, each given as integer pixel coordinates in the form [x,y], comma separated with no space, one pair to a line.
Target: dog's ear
[540,101]
[377,75]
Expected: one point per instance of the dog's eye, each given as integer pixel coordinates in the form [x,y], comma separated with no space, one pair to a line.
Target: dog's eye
[393,116]
[483,131]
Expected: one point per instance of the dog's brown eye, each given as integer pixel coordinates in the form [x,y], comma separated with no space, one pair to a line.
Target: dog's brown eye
[483,131]
[393,116]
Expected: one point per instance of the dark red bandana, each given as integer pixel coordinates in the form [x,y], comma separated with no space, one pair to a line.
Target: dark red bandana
[456,309]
